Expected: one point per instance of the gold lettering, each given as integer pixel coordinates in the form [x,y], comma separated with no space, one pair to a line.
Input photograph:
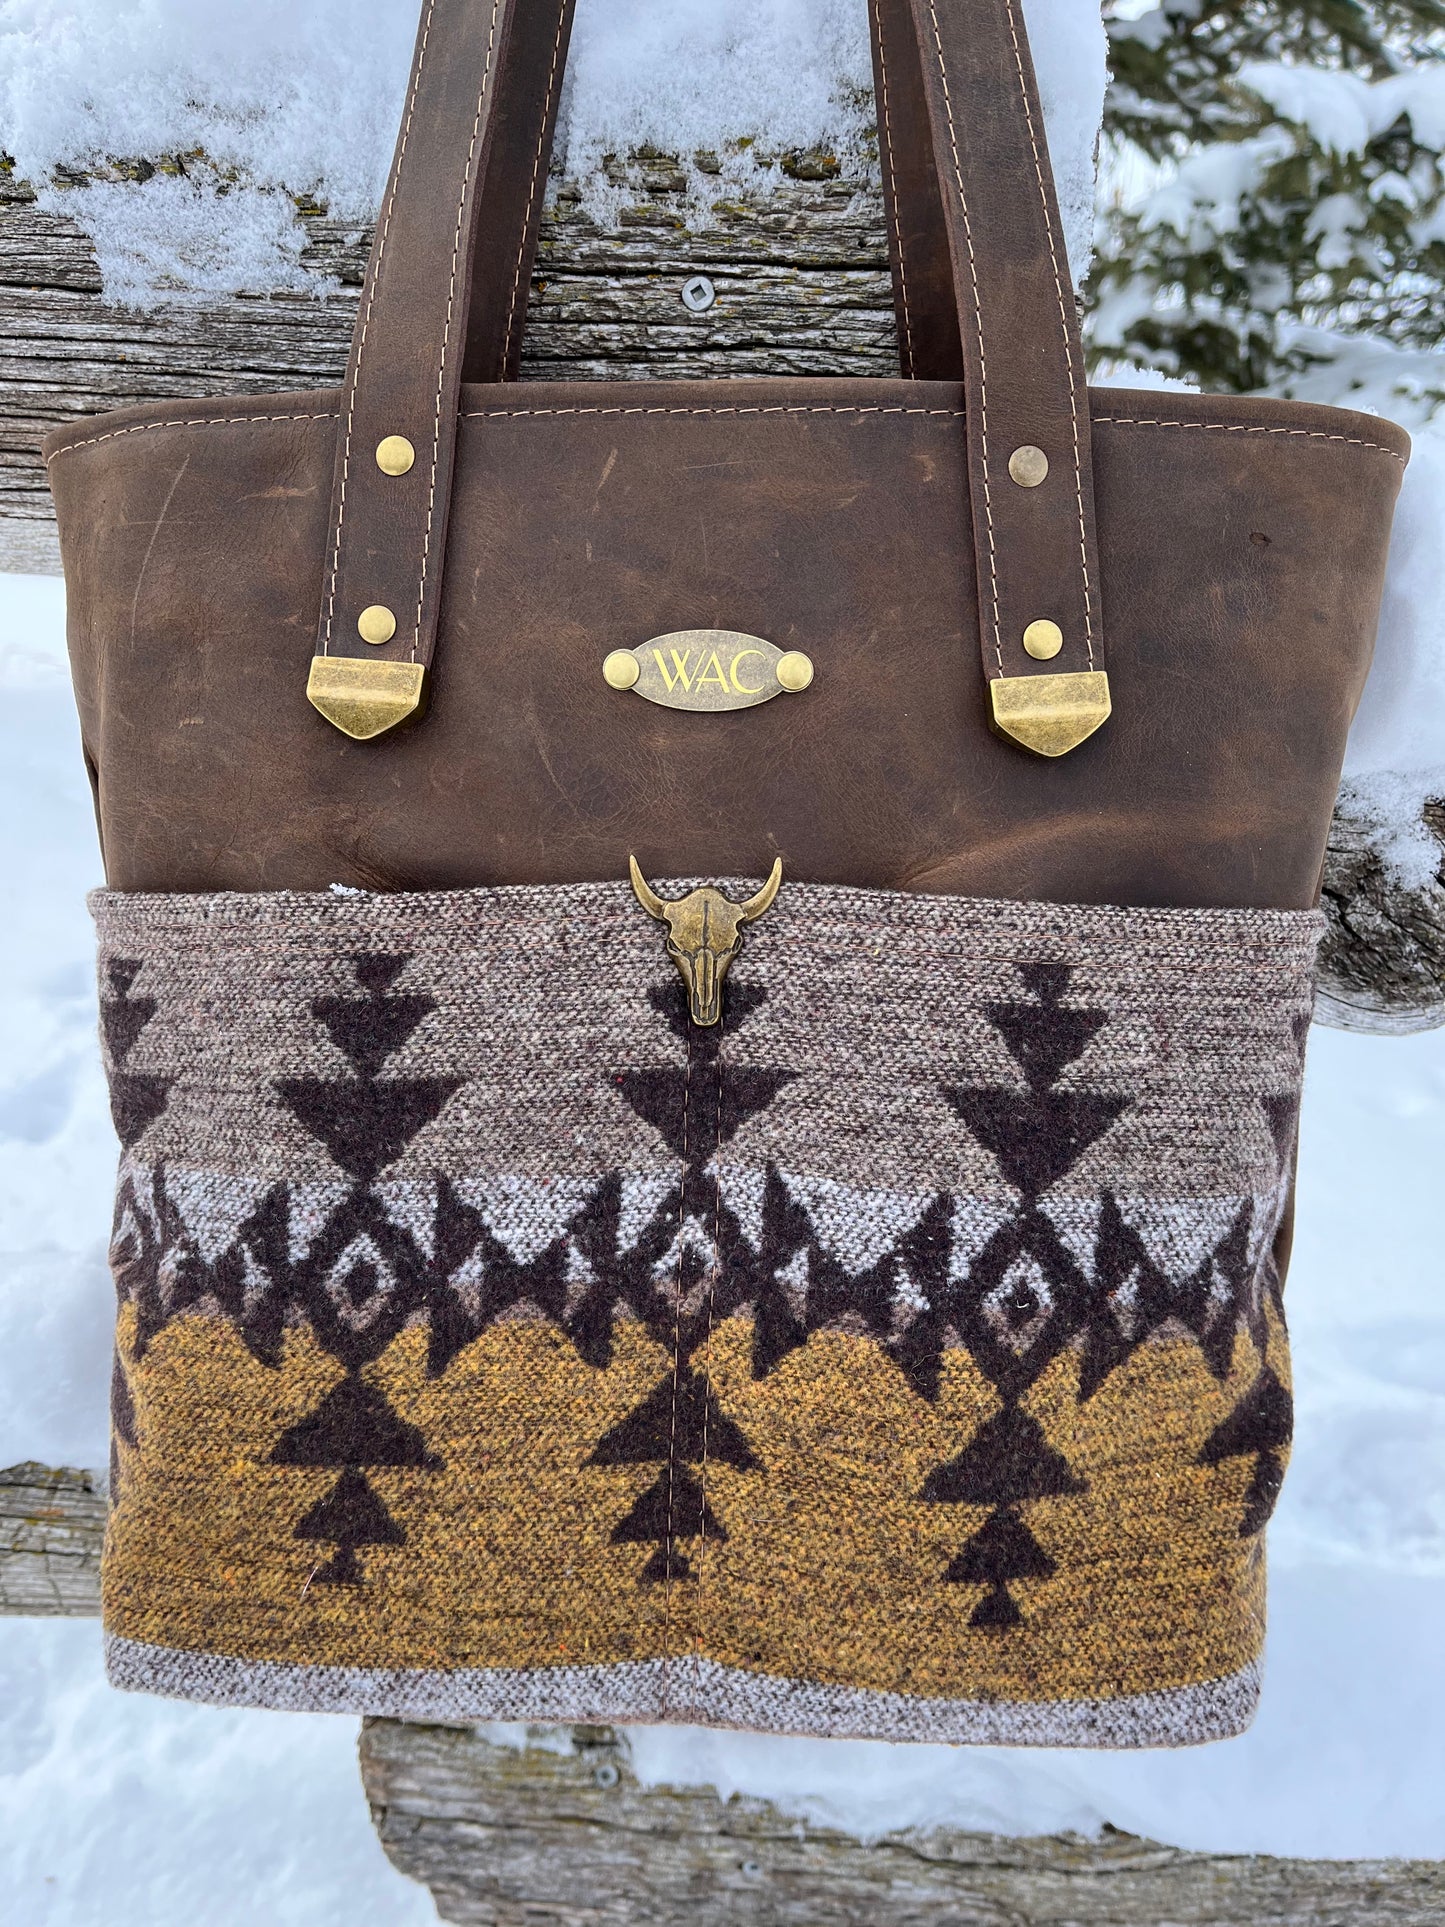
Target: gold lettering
[713,673]
[743,688]
[680,660]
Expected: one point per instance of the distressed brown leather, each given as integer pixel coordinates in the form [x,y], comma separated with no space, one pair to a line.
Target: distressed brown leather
[1234,548]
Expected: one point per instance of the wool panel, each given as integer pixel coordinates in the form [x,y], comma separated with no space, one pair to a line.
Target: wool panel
[904,1356]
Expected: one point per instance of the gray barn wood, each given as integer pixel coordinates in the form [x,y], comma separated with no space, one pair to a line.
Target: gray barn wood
[799,262]
[565,1837]
[52,1522]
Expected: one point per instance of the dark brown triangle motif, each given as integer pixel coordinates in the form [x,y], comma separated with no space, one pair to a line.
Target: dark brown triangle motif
[366,1125]
[1036,1135]
[349,1516]
[1263,1423]
[1007,1462]
[672,1509]
[136,1101]
[682,1422]
[353,1425]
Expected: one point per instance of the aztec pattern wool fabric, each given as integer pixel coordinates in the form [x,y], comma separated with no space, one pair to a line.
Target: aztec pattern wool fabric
[903,1357]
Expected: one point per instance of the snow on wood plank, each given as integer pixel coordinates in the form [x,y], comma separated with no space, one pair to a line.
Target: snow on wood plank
[563,1833]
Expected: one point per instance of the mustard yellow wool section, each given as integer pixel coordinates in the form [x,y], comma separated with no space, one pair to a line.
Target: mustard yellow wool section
[832,1566]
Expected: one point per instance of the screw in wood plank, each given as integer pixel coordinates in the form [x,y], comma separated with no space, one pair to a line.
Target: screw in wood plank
[606,1775]
[698,294]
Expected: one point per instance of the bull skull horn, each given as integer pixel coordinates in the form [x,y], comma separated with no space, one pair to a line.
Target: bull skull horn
[704,934]
[755,906]
[651,902]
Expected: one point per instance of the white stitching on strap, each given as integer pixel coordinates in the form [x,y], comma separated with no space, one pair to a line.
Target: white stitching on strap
[372,279]
[907,342]
[532,191]
[992,558]
[447,331]
[1064,324]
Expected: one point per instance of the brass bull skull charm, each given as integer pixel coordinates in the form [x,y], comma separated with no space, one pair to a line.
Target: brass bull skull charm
[704,934]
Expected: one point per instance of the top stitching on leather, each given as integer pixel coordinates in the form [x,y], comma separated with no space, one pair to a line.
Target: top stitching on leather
[372,279]
[197,421]
[467,174]
[876,12]
[532,190]
[1250,428]
[978,330]
[755,408]
[1106,421]
[1067,332]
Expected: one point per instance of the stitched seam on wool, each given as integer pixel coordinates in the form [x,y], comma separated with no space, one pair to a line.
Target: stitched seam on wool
[1064,325]
[700,1634]
[1250,428]
[532,191]
[482,99]
[978,330]
[372,280]
[676,1375]
[753,408]
[198,421]
[907,343]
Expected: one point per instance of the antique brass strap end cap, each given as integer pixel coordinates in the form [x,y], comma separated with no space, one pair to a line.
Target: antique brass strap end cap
[363,698]
[1050,714]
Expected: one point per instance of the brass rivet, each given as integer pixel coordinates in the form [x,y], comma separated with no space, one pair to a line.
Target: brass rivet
[621,669]
[1043,640]
[794,670]
[395,455]
[376,625]
[1028,465]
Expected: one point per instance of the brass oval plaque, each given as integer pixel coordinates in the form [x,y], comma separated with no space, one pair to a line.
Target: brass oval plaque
[708,670]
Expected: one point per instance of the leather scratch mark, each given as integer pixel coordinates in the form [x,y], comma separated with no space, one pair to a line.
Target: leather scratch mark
[155,537]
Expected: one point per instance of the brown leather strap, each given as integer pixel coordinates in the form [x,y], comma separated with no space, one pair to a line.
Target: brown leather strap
[510,209]
[1024,375]
[527,98]
[447,286]
[388,531]
[928,345]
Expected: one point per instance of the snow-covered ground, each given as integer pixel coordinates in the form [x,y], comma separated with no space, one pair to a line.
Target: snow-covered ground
[224,1816]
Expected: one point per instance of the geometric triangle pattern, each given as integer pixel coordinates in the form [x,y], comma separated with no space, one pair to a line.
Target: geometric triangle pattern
[1023,1260]
[1260,1427]
[137,1098]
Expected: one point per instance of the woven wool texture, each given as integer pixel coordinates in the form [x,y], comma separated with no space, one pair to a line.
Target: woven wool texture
[902,1357]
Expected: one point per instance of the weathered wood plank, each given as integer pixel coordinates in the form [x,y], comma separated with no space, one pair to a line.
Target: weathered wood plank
[561,1834]
[52,1522]
[1382,963]
[800,269]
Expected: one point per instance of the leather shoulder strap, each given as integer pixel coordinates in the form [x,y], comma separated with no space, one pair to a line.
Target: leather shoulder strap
[470,166]
[923,299]
[391,489]
[1025,390]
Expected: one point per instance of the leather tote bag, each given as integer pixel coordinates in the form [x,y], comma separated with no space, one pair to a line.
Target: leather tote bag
[705,983]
